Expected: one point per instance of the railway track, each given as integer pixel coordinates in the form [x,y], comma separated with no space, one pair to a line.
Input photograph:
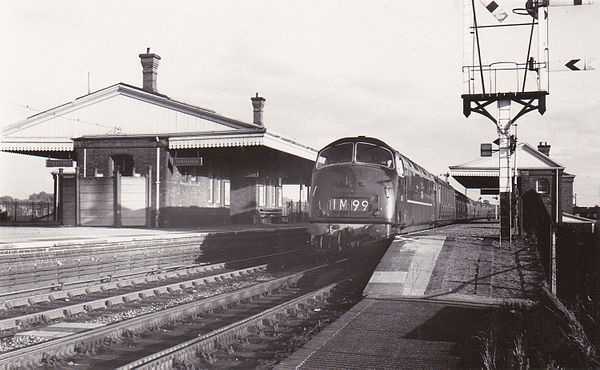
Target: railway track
[230,314]
[40,294]
[234,339]
[69,264]
[68,303]
[30,311]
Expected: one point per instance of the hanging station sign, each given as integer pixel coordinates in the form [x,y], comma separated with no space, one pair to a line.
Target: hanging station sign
[59,163]
[188,162]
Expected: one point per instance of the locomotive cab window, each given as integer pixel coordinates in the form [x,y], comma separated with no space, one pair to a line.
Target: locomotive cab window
[373,154]
[341,153]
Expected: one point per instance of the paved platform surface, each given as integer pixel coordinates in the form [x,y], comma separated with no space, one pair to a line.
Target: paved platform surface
[30,236]
[430,295]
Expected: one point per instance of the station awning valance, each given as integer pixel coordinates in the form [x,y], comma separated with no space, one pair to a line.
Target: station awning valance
[36,144]
[246,139]
[478,179]
[190,142]
[485,173]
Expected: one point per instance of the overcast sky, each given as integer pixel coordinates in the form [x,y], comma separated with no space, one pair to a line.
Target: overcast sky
[388,69]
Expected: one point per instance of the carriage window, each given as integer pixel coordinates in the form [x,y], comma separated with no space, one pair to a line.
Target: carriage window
[341,153]
[369,153]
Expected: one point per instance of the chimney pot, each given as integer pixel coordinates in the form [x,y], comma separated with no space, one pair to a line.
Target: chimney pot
[258,103]
[544,148]
[149,71]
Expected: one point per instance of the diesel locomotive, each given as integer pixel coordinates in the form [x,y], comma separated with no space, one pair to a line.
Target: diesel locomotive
[364,190]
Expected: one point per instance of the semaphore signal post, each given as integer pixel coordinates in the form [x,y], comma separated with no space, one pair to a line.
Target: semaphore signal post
[505,73]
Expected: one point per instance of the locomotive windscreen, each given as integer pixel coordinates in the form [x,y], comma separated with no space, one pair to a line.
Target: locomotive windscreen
[374,154]
[341,153]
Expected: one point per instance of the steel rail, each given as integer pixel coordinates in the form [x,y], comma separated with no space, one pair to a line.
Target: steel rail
[22,300]
[159,273]
[56,313]
[34,356]
[223,336]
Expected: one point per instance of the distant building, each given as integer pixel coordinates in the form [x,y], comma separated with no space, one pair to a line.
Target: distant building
[536,171]
[587,212]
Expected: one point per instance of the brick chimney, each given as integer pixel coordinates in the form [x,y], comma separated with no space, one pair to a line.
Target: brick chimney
[544,148]
[149,67]
[258,103]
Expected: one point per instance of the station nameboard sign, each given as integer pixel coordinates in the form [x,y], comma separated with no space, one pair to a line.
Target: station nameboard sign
[59,163]
[191,162]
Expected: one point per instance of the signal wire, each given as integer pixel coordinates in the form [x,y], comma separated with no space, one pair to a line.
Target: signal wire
[528,52]
[478,46]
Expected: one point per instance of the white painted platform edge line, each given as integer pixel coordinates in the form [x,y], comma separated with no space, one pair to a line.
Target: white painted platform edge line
[388,277]
[334,334]
[422,280]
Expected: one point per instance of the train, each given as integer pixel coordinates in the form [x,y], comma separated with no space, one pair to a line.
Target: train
[363,190]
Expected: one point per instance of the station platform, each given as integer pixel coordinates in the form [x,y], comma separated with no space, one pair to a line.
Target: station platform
[51,236]
[432,293]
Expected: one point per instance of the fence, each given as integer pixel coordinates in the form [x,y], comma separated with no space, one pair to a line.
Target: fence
[577,260]
[578,272]
[538,225]
[296,211]
[23,211]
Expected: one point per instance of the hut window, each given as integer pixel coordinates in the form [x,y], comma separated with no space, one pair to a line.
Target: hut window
[123,163]
[542,186]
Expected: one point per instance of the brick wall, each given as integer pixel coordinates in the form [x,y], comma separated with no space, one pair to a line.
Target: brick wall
[187,199]
[98,153]
[528,182]
[566,194]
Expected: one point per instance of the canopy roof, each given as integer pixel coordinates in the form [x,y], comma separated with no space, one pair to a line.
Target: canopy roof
[483,173]
[124,110]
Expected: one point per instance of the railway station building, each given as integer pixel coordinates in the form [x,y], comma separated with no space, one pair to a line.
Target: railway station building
[130,156]
[535,172]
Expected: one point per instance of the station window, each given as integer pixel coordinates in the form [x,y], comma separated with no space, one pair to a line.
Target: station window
[216,190]
[226,192]
[262,197]
[542,186]
[272,195]
[279,195]
[219,186]
[123,164]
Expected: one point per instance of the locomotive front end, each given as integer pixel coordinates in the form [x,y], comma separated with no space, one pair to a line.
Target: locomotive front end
[354,187]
